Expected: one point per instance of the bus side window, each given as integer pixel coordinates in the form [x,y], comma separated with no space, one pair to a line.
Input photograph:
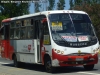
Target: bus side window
[17,29]
[23,33]
[30,30]
[11,33]
[16,33]
[12,28]
[6,31]
[46,31]
[23,28]
[2,34]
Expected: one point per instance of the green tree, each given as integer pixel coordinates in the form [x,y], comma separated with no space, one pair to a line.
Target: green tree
[37,6]
[83,2]
[71,4]
[78,2]
[51,4]
[61,4]
[8,10]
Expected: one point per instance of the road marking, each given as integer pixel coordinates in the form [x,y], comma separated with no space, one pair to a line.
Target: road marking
[89,73]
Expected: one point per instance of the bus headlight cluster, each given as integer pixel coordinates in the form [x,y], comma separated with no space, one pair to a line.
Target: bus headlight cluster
[59,52]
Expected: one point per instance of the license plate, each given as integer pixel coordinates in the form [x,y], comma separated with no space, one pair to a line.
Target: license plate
[79,59]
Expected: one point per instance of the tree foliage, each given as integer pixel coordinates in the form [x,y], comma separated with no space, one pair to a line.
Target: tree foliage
[61,4]
[78,2]
[37,6]
[71,4]
[8,10]
[51,4]
[92,7]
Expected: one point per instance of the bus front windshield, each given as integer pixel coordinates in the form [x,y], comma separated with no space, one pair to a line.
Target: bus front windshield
[71,27]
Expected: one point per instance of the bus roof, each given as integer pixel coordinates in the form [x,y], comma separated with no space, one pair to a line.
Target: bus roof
[43,13]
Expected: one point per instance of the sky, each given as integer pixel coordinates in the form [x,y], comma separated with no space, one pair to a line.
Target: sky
[31,9]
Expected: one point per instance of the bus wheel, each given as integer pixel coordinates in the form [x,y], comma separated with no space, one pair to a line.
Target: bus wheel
[16,64]
[89,67]
[48,65]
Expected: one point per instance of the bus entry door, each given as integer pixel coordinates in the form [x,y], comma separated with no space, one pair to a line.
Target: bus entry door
[38,37]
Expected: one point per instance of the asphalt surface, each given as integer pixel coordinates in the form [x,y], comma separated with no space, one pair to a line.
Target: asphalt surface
[7,68]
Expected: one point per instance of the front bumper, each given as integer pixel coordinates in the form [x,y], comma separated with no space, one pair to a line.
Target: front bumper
[73,60]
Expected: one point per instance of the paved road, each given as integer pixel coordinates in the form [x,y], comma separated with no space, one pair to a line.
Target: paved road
[6,68]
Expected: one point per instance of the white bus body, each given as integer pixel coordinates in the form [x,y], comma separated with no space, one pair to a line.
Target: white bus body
[50,45]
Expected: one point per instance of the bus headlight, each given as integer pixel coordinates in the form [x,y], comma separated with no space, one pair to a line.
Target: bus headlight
[55,50]
[58,51]
[62,52]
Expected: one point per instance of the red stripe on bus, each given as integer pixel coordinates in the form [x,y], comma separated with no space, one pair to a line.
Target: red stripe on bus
[6,20]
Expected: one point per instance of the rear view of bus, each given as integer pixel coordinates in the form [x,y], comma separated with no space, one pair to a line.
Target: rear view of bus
[73,40]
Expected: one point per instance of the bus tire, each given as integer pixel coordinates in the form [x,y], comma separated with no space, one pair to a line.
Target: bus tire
[89,67]
[16,63]
[48,65]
